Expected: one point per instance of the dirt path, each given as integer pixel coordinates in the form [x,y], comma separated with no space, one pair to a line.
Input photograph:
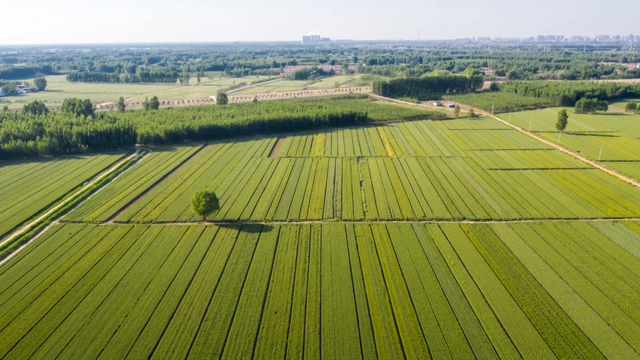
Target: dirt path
[253,85]
[277,146]
[71,197]
[618,109]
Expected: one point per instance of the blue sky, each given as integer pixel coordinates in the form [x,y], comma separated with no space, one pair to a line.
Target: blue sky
[92,21]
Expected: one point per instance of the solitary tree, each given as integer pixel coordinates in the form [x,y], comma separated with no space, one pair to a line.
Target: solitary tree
[255,99]
[121,105]
[145,104]
[562,120]
[631,107]
[154,104]
[456,111]
[222,98]
[471,114]
[40,83]
[204,203]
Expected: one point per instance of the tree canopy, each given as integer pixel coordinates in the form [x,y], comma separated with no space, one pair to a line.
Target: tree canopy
[40,83]
[562,120]
[204,203]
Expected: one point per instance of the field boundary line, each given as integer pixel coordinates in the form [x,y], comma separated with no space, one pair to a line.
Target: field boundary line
[154,185]
[60,205]
[365,221]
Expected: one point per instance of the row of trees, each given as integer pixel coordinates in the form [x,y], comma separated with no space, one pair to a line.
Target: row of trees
[567,93]
[431,87]
[143,76]
[590,106]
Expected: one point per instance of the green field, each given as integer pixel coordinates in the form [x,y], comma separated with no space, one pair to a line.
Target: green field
[278,86]
[621,104]
[618,135]
[424,239]
[28,187]
[537,290]
[420,170]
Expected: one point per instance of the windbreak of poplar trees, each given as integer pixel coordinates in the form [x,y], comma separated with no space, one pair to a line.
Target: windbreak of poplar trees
[24,134]
[429,87]
[567,93]
[74,131]
[144,76]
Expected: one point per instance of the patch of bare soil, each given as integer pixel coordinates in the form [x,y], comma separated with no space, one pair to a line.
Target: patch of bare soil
[276,148]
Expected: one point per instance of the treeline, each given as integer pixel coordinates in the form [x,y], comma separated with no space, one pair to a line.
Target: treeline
[75,130]
[565,93]
[430,87]
[143,76]
[25,72]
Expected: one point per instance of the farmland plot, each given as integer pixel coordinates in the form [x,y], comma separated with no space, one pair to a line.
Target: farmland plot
[28,187]
[402,290]
[421,170]
[612,138]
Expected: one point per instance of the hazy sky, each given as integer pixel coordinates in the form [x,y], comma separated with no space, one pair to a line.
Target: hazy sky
[93,21]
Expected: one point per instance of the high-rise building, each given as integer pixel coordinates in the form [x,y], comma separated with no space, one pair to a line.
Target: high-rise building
[313,39]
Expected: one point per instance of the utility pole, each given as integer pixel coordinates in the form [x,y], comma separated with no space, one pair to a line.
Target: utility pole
[491,109]
[530,125]
[600,156]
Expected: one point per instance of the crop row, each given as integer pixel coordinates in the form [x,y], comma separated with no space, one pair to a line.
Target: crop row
[533,290]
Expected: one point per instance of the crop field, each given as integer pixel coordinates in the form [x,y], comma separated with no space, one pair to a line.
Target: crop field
[421,170]
[424,239]
[27,187]
[622,103]
[283,85]
[330,82]
[617,135]
[418,291]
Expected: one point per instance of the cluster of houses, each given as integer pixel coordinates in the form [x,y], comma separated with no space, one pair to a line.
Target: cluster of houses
[21,89]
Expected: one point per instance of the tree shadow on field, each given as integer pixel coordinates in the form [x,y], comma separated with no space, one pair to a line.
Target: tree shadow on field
[248,228]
